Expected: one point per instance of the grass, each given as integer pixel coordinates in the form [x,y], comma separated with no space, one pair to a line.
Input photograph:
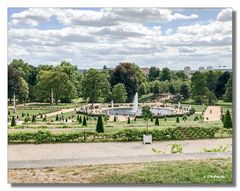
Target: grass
[211,171]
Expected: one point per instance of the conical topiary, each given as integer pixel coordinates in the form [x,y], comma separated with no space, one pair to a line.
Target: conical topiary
[157,121]
[128,121]
[57,118]
[84,121]
[100,125]
[177,119]
[13,122]
[227,120]
[80,119]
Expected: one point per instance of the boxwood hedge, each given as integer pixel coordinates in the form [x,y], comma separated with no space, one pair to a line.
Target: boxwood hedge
[178,133]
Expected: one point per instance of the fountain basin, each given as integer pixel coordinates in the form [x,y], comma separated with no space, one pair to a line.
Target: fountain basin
[137,112]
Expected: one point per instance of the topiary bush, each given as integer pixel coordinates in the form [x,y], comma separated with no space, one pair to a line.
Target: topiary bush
[100,126]
[13,122]
[157,121]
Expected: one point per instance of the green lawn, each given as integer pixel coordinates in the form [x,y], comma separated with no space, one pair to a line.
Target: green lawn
[175,172]
[211,171]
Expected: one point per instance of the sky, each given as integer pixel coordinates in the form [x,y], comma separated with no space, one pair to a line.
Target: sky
[94,37]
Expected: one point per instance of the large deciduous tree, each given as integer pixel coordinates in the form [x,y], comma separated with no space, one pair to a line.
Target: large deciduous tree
[228,93]
[95,85]
[199,86]
[221,84]
[14,83]
[55,82]
[165,74]
[119,93]
[154,73]
[126,74]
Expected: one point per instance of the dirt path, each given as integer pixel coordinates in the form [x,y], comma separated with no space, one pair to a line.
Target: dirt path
[212,113]
[70,154]
[59,112]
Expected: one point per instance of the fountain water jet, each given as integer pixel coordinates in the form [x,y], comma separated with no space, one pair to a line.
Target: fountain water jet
[135,102]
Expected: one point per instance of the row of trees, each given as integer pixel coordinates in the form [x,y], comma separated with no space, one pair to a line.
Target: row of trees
[65,82]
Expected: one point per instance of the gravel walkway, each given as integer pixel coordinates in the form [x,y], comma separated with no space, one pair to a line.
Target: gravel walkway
[69,154]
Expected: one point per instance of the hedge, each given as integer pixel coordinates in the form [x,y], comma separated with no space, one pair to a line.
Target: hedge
[178,133]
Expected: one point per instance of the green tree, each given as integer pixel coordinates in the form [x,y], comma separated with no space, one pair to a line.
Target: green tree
[127,74]
[146,114]
[228,93]
[184,91]
[156,87]
[23,92]
[14,83]
[165,74]
[227,120]
[221,85]
[56,82]
[100,125]
[28,73]
[154,73]
[95,85]
[157,121]
[211,98]
[119,93]
[199,85]
[143,89]
[211,78]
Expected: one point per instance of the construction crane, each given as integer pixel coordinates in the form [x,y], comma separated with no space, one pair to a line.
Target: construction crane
[220,66]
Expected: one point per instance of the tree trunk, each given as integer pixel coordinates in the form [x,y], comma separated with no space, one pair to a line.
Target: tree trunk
[51,96]
[147,126]
[14,102]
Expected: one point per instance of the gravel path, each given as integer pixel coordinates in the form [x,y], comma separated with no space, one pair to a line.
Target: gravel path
[212,113]
[68,154]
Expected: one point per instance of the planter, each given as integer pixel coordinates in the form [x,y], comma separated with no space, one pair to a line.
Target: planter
[147,139]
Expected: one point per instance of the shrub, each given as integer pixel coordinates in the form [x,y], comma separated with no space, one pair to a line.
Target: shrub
[177,120]
[152,119]
[80,119]
[33,118]
[45,118]
[176,148]
[13,122]
[165,118]
[9,113]
[227,120]
[157,121]
[219,149]
[84,121]
[115,118]
[196,118]
[27,114]
[128,120]
[106,118]
[177,133]
[41,116]
[100,126]
[184,118]
[57,118]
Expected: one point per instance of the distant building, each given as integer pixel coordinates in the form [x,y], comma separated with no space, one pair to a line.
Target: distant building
[146,71]
[209,68]
[201,69]
[187,70]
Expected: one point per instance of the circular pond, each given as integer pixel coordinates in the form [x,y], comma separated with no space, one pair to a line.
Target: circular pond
[138,112]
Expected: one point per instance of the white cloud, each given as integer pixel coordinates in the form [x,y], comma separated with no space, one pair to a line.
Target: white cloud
[93,38]
[225,15]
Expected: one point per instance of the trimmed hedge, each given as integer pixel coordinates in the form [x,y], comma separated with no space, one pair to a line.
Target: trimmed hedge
[178,133]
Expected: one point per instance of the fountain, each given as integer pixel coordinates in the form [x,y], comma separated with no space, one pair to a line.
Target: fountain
[135,110]
[135,103]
